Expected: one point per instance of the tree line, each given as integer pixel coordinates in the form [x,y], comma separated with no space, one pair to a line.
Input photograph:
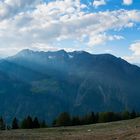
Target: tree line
[26,123]
[65,119]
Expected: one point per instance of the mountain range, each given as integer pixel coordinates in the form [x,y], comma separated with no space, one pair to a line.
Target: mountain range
[44,84]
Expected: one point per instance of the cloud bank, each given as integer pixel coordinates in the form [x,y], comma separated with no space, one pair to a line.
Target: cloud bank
[29,22]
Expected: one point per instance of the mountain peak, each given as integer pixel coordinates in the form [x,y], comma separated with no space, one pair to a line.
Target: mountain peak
[62,51]
[77,81]
[64,54]
[24,52]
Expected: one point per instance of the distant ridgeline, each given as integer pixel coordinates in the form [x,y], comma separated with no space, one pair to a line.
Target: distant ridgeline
[44,84]
[65,119]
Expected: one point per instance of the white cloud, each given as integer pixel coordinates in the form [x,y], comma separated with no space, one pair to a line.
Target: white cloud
[10,8]
[60,20]
[108,51]
[97,3]
[52,26]
[135,48]
[102,38]
[135,57]
[127,2]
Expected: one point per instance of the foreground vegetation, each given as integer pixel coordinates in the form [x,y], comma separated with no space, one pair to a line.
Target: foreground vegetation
[120,130]
[64,119]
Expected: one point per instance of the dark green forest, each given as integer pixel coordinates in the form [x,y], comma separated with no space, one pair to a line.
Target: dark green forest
[65,119]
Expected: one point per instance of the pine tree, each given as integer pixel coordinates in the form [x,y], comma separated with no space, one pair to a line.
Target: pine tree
[2,124]
[36,123]
[63,119]
[54,122]
[97,117]
[133,114]
[91,118]
[102,117]
[23,124]
[43,124]
[125,115]
[15,124]
[29,122]
[75,121]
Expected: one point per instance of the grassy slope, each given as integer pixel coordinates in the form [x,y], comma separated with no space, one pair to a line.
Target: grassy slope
[122,130]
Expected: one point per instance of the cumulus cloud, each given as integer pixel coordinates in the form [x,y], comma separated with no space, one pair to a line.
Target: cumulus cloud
[97,3]
[102,38]
[60,24]
[127,2]
[31,22]
[135,48]
[11,7]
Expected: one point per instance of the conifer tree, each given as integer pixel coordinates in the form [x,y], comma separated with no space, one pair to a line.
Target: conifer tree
[23,124]
[36,123]
[133,114]
[15,124]
[125,115]
[91,118]
[29,122]
[76,121]
[43,124]
[63,119]
[2,124]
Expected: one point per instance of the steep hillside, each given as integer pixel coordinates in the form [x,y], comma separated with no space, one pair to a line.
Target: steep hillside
[44,84]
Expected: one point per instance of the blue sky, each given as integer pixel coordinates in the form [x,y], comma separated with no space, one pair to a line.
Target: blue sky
[96,26]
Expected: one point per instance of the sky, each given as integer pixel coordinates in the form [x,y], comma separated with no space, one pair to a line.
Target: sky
[96,26]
